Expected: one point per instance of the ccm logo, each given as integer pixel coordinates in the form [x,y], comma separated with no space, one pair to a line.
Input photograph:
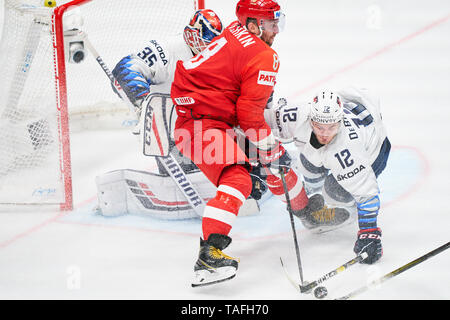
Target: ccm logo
[184,100]
[267,78]
[370,236]
[148,125]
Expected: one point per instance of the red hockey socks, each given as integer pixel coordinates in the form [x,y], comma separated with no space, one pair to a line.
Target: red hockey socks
[297,193]
[220,212]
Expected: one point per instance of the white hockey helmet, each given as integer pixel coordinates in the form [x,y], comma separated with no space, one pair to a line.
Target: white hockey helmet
[326,108]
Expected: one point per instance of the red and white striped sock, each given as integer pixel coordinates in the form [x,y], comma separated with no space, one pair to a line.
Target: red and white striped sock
[297,193]
[221,211]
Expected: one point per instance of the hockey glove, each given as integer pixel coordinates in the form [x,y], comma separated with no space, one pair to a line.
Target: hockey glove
[275,158]
[369,241]
[259,186]
[131,80]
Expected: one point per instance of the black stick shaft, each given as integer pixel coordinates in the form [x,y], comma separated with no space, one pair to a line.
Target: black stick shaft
[291,215]
[396,272]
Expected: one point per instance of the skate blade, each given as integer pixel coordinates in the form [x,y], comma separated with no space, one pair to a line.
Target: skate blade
[206,277]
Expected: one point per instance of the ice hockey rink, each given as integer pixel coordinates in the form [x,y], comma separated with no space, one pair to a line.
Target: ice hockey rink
[400,50]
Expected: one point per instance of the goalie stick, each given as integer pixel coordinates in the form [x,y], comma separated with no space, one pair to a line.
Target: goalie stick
[108,72]
[395,272]
[168,162]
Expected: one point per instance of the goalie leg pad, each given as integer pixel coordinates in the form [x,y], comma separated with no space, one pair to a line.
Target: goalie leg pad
[122,192]
[136,192]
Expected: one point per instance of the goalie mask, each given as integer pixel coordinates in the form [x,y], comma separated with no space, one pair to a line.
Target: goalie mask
[203,27]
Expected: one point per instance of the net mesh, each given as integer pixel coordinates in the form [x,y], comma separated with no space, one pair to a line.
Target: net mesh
[30,126]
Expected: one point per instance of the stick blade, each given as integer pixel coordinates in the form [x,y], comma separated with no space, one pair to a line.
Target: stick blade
[288,276]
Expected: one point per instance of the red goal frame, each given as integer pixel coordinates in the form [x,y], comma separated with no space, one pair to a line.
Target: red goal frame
[61,96]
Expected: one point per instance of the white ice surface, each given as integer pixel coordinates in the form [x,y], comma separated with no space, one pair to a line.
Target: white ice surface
[401,50]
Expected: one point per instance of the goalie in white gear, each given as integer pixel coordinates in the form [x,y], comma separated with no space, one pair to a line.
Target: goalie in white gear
[146,77]
[343,147]
[152,68]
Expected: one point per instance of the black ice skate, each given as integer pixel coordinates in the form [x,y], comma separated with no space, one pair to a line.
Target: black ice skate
[213,265]
[319,218]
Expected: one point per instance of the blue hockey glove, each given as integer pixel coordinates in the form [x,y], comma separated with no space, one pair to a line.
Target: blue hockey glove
[131,80]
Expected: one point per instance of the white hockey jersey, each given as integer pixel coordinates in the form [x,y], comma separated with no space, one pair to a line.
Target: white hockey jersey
[353,151]
[157,60]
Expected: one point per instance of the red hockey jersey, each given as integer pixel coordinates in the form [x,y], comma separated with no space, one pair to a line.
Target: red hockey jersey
[230,81]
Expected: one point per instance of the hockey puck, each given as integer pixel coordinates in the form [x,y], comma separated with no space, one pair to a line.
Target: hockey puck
[320,292]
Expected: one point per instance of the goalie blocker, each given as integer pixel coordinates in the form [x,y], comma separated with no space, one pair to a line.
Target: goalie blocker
[156,123]
[135,192]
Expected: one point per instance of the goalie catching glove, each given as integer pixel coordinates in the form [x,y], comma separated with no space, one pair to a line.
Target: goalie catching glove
[132,80]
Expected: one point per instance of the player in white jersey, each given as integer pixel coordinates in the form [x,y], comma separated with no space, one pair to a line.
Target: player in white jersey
[144,75]
[343,147]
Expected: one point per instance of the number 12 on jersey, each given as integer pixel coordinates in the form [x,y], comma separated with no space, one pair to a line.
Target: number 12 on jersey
[344,158]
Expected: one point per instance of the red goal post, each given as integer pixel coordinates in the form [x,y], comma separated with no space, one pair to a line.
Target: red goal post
[41,92]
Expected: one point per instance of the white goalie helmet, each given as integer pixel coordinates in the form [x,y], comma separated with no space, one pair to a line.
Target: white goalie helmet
[326,107]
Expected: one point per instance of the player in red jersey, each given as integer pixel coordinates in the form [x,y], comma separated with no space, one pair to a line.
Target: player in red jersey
[227,86]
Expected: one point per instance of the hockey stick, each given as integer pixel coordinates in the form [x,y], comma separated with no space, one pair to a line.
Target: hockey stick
[169,163]
[183,183]
[395,272]
[108,73]
[307,288]
[291,216]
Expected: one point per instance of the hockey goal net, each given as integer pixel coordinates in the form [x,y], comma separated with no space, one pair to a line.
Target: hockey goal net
[42,93]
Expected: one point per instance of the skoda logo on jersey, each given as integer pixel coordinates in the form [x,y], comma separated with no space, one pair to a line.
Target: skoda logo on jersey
[350,174]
